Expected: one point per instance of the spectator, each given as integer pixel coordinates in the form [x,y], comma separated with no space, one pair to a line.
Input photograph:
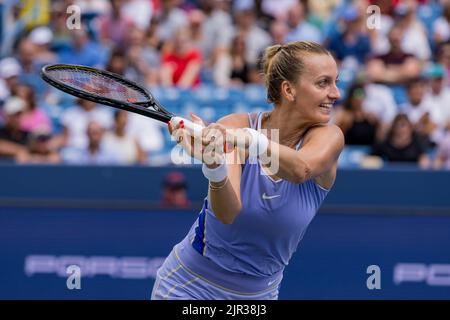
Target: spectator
[214,39]
[113,26]
[75,121]
[279,31]
[240,68]
[439,96]
[13,139]
[82,50]
[39,149]
[94,152]
[420,112]
[359,127]
[380,101]
[256,38]
[396,66]
[414,40]
[300,29]
[143,59]
[444,59]
[9,71]
[34,117]
[170,19]
[125,147]
[181,64]
[174,191]
[31,68]
[402,144]
[352,41]
[442,158]
[42,37]
[441,26]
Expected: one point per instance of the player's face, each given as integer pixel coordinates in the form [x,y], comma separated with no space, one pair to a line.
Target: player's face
[316,91]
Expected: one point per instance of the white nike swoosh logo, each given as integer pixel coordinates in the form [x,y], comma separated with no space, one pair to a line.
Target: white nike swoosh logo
[266,197]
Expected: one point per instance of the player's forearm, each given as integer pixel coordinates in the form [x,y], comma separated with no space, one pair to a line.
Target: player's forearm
[225,203]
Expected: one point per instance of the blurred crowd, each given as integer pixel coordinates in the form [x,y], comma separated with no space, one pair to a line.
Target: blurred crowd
[394,67]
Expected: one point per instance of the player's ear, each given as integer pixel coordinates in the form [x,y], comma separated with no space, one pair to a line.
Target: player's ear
[288,91]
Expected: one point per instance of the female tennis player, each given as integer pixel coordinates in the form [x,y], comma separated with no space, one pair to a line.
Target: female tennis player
[253,218]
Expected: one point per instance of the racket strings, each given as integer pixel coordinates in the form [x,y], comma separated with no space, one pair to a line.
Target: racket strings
[100,85]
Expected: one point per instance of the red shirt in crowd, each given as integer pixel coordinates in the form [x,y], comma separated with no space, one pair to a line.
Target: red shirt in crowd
[179,64]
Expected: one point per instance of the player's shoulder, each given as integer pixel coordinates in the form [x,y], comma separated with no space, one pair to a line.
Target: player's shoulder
[329,131]
[234,120]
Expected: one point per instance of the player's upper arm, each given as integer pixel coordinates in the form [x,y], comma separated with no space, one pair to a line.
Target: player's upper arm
[321,148]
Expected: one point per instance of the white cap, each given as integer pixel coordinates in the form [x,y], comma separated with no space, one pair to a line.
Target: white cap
[9,67]
[14,105]
[41,35]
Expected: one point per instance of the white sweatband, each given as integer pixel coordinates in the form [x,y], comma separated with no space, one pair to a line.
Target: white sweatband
[258,144]
[217,174]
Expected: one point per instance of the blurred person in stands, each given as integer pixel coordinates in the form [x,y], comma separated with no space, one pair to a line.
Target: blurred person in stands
[94,153]
[39,149]
[174,191]
[444,59]
[31,68]
[379,100]
[241,71]
[181,63]
[75,121]
[143,59]
[352,40]
[118,141]
[278,31]
[42,37]
[82,50]
[439,95]
[170,19]
[112,27]
[420,112]
[441,26]
[33,117]
[216,28]
[396,66]
[442,157]
[414,40]
[300,29]
[10,69]
[359,126]
[13,139]
[256,38]
[402,144]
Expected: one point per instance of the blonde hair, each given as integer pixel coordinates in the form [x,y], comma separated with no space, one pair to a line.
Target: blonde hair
[285,62]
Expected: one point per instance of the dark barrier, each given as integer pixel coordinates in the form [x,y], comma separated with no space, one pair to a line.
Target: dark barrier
[51,218]
[397,189]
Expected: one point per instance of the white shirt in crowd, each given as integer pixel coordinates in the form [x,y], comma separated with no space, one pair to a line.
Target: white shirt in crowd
[76,120]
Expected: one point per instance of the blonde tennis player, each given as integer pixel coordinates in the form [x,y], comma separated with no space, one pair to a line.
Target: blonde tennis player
[254,216]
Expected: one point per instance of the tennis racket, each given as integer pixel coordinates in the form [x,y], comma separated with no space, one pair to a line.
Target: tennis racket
[111,89]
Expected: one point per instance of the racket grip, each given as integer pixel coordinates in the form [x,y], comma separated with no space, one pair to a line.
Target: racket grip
[194,128]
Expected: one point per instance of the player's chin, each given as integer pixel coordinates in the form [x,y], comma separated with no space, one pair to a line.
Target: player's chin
[323,114]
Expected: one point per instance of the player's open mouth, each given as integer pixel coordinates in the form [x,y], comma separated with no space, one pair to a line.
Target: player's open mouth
[326,106]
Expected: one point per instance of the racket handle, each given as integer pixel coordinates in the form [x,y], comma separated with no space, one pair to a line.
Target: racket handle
[194,128]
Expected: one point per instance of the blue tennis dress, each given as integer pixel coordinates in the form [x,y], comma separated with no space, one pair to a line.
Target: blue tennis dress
[245,259]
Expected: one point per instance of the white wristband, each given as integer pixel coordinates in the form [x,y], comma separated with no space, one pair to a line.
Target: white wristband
[217,174]
[258,144]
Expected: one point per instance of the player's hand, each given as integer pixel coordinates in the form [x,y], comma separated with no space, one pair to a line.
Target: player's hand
[210,147]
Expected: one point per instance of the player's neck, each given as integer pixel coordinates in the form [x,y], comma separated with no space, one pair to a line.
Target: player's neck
[289,132]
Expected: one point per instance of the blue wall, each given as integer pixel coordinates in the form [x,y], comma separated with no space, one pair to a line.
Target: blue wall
[106,221]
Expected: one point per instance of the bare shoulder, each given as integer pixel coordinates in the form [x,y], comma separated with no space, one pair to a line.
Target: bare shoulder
[329,132]
[235,120]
